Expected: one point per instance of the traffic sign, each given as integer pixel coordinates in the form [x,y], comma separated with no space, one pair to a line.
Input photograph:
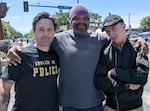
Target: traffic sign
[64,7]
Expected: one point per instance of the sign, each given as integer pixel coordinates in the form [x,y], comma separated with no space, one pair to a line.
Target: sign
[64,7]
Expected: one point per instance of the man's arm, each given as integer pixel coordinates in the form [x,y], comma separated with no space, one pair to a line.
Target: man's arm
[13,56]
[140,43]
[131,86]
[102,81]
[137,75]
[5,86]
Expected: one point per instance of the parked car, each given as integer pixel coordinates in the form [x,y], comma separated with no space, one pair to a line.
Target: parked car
[146,35]
[132,34]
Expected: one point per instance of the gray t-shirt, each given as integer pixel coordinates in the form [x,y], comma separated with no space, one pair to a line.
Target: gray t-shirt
[78,59]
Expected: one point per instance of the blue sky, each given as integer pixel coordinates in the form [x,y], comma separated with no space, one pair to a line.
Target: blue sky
[22,21]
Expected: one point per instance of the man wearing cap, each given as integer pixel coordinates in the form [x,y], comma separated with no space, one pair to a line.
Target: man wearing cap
[122,70]
[78,51]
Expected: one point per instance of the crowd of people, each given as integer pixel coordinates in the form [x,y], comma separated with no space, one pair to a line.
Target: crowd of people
[76,69]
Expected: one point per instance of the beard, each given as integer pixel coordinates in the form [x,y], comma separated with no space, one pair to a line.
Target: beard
[81,31]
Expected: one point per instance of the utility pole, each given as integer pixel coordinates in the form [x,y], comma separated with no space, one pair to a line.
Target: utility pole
[129,25]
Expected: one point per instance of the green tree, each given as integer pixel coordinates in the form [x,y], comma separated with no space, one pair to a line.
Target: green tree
[10,32]
[29,35]
[95,17]
[7,29]
[145,23]
[62,17]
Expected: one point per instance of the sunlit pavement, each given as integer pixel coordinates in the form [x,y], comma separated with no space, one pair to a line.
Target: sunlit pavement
[146,97]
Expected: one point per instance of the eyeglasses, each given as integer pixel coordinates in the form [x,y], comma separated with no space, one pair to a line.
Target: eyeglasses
[42,16]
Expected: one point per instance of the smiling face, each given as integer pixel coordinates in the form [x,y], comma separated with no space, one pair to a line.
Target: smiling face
[80,24]
[44,32]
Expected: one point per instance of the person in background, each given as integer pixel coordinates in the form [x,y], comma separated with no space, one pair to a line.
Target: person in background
[36,77]
[122,70]
[78,50]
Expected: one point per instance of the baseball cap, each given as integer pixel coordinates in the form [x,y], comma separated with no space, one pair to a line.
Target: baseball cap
[111,20]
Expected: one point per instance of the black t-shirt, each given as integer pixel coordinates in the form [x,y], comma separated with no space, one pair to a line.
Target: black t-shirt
[36,80]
